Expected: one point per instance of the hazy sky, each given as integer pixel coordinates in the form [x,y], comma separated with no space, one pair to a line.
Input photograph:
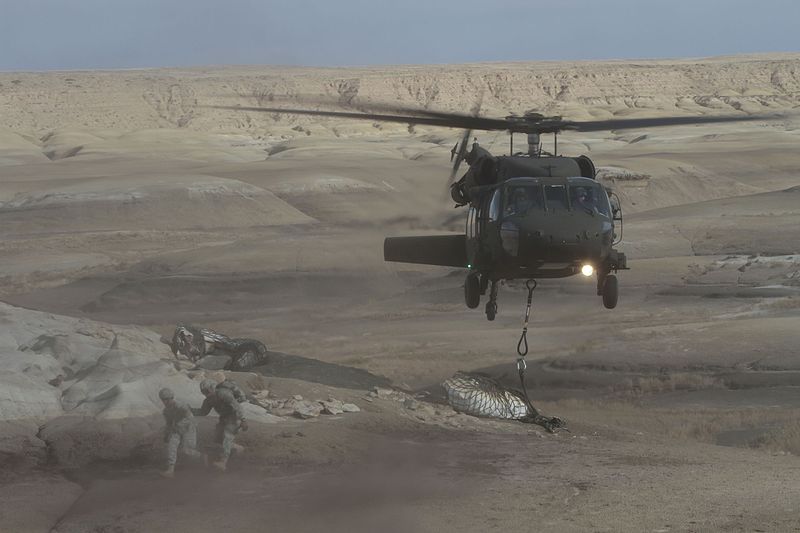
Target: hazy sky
[79,34]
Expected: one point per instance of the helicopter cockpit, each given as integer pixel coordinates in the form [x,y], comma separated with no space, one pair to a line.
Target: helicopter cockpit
[520,196]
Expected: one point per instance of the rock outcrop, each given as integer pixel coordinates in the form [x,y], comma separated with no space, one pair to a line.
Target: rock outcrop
[74,391]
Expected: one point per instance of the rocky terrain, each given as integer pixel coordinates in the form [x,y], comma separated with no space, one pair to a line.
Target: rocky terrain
[128,205]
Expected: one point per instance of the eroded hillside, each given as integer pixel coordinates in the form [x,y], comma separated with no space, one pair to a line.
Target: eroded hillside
[33,103]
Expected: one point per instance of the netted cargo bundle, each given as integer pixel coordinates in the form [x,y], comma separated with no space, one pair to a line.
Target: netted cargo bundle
[478,395]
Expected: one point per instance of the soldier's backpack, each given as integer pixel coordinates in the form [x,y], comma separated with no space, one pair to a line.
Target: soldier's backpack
[234,389]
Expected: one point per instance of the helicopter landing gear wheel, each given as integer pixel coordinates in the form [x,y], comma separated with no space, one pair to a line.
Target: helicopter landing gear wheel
[610,291]
[491,305]
[472,290]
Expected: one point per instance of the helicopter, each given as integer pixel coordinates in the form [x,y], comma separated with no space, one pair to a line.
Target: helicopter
[530,214]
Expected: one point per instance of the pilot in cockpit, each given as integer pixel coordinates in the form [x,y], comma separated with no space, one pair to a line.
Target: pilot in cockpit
[518,203]
[582,198]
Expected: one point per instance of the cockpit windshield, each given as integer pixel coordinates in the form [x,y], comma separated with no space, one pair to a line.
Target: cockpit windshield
[581,195]
[522,198]
[588,198]
[556,197]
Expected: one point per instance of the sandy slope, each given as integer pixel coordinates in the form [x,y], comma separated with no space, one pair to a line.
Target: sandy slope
[126,207]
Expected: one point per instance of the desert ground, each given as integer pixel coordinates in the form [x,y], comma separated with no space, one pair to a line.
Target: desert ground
[128,205]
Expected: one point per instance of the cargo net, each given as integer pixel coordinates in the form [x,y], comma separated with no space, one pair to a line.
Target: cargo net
[478,395]
[482,396]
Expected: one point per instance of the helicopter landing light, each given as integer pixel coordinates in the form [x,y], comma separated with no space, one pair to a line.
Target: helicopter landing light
[587,270]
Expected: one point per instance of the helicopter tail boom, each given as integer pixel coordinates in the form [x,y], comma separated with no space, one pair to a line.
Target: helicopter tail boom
[441,250]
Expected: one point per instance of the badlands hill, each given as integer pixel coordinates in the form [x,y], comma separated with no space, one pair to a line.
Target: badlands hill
[128,205]
[55,115]
[36,103]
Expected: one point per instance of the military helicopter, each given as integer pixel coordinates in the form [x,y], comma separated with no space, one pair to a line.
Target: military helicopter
[530,215]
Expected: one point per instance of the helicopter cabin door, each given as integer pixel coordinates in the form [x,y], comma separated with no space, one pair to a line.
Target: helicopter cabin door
[473,231]
[477,220]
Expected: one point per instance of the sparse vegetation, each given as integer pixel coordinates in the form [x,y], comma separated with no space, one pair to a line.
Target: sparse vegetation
[786,439]
[772,429]
[641,386]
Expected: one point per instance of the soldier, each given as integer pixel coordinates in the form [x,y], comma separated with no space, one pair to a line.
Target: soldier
[180,430]
[221,398]
[581,197]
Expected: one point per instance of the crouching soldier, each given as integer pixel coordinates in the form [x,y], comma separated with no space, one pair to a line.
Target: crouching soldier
[180,430]
[224,398]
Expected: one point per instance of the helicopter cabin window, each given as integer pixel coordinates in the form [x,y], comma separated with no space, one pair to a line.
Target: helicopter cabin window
[521,199]
[556,196]
[494,206]
[471,222]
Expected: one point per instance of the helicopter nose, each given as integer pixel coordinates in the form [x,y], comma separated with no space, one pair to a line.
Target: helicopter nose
[522,242]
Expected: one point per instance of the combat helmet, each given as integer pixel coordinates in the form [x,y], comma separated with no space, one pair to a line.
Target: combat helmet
[208,386]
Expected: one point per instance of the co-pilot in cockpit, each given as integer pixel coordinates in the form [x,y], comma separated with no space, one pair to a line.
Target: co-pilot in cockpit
[582,197]
[589,199]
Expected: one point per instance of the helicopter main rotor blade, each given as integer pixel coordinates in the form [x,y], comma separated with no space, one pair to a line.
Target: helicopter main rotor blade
[446,120]
[530,124]
[545,124]
[374,108]
[638,123]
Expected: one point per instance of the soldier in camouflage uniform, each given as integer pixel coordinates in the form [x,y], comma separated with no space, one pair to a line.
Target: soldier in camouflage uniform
[180,430]
[221,398]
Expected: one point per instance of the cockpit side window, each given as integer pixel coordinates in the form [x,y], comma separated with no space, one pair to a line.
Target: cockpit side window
[494,206]
[603,204]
